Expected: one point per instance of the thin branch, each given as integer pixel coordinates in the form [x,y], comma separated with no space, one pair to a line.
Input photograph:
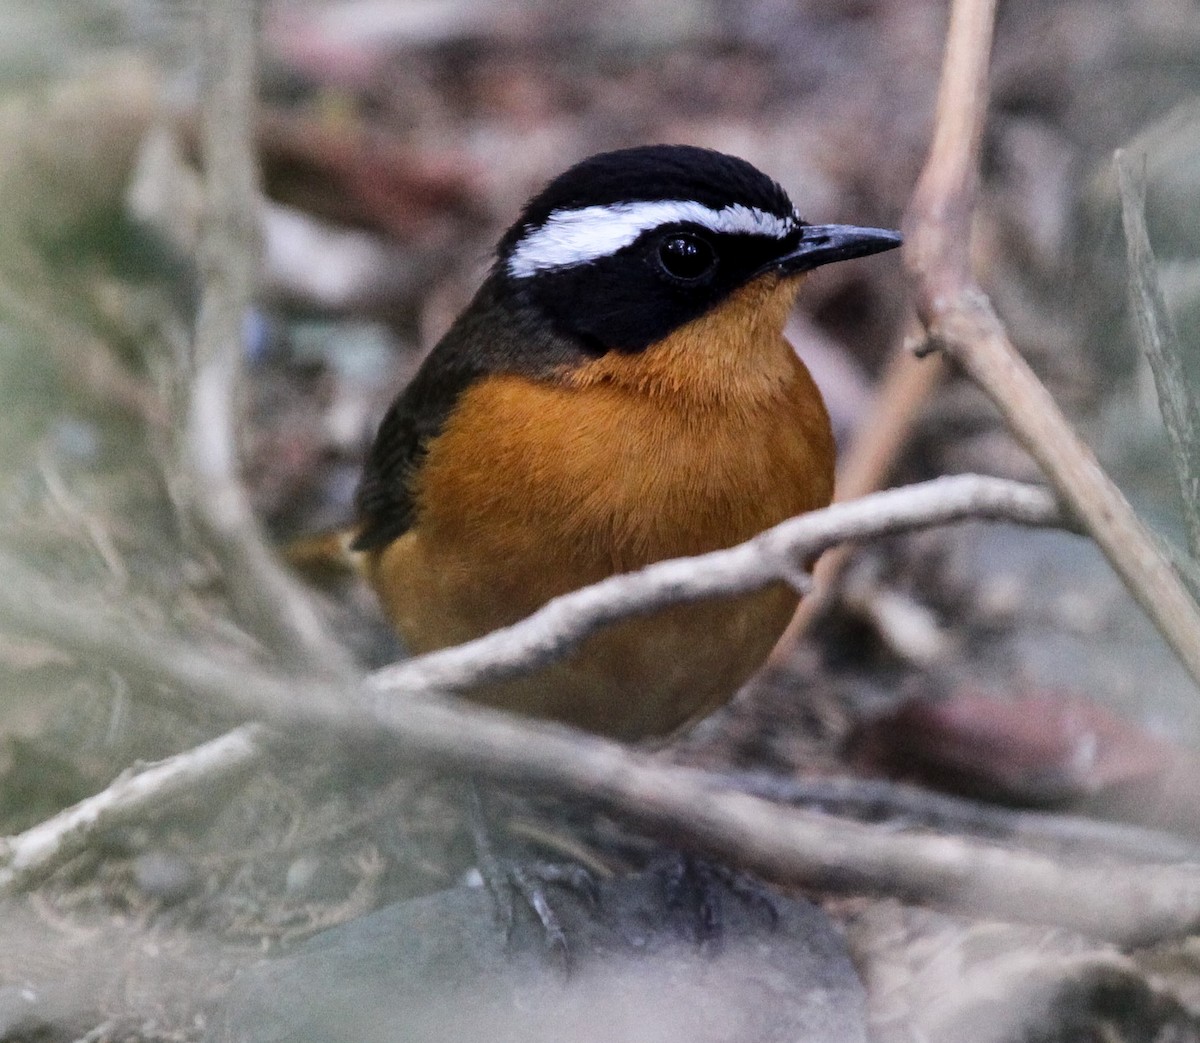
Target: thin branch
[938,223]
[267,600]
[130,800]
[962,323]
[1178,401]
[899,803]
[562,624]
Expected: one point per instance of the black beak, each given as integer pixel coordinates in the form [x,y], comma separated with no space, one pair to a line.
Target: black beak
[824,244]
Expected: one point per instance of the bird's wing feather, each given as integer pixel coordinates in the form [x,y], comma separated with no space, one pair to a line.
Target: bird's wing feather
[497,333]
[384,499]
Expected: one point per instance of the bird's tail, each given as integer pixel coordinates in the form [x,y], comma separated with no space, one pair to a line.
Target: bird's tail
[324,556]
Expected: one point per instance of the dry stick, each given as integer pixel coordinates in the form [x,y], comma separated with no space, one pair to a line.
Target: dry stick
[132,799]
[1108,900]
[892,802]
[1178,402]
[907,384]
[267,600]
[962,323]
[559,626]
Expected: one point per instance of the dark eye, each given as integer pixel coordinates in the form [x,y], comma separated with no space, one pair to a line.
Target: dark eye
[686,257]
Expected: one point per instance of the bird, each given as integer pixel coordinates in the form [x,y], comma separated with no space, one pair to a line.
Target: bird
[619,391]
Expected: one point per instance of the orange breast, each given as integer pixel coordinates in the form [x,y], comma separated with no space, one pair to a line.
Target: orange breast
[537,488]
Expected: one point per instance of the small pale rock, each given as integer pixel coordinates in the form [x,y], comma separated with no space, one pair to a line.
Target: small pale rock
[163,875]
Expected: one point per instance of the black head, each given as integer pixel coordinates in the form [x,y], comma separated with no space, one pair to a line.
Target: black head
[626,246]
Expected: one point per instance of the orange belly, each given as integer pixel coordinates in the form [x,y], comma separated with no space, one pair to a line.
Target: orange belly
[640,679]
[537,488]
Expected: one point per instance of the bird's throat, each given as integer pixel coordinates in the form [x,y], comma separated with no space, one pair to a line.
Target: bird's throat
[732,353]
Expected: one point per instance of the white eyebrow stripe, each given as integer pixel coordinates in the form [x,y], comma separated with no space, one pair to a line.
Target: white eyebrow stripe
[573,237]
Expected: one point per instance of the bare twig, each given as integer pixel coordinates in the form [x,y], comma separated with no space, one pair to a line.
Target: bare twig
[266,599]
[901,804]
[938,223]
[1178,402]
[962,323]
[82,519]
[131,799]
[565,622]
